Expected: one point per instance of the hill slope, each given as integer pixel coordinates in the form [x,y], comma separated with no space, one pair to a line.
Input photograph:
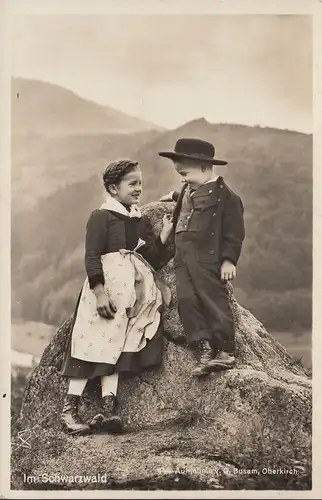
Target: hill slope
[41,166]
[59,138]
[45,109]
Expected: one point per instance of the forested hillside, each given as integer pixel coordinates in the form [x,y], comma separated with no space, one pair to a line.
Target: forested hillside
[271,169]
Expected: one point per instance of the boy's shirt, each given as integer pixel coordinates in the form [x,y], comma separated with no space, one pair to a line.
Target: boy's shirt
[175,194]
[217,215]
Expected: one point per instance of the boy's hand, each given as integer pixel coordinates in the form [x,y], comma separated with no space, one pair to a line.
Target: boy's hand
[105,306]
[166,228]
[167,197]
[228,271]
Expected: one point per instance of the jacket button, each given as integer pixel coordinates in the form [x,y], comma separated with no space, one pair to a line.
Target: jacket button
[212,234]
[212,252]
[221,186]
[218,199]
[214,214]
[210,191]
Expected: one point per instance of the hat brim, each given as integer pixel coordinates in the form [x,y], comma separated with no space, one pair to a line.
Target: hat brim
[177,156]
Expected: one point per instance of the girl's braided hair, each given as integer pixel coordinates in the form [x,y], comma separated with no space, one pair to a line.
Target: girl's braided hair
[116,170]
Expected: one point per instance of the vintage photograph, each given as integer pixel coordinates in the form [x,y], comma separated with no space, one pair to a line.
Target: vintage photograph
[161,252]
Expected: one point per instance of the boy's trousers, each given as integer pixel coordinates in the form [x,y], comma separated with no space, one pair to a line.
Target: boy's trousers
[203,301]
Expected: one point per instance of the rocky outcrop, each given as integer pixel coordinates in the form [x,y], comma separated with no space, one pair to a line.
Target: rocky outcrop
[229,430]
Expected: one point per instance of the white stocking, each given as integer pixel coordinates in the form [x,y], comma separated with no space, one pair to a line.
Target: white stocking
[76,386]
[109,384]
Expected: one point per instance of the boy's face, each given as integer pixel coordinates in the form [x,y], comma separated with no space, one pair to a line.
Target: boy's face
[193,173]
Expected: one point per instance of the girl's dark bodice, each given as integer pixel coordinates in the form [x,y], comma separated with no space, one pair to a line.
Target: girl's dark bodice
[109,231]
[132,228]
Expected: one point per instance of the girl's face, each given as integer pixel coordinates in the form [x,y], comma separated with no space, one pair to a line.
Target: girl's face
[129,189]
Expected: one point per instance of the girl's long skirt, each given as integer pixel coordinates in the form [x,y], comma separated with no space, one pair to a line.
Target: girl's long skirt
[133,340]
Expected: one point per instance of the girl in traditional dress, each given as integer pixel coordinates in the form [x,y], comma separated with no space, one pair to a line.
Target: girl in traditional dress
[116,327]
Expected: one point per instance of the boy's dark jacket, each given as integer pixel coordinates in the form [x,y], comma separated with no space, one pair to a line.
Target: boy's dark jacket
[217,218]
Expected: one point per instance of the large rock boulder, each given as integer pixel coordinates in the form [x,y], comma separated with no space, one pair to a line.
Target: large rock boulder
[249,427]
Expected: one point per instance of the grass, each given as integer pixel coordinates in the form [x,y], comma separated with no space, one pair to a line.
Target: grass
[261,449]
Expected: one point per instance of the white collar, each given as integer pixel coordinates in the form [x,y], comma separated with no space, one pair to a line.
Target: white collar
[213,179]
[114,205]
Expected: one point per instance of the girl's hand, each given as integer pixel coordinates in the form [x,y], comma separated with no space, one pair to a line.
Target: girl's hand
[166,227]
[228,271]
[105,306]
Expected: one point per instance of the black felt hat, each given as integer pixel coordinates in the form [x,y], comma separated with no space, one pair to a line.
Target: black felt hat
[193,149]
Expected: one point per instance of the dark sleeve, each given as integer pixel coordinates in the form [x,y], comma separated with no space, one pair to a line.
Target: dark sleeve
[233,229]
[94,247]
[154,251]
[175,195]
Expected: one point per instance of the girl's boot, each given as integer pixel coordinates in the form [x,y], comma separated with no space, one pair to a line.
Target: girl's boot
[70,419]
[108,420]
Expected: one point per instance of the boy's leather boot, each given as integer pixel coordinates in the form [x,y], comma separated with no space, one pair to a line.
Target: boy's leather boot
[204,355]
[222,361]
[108,420]
[70,420]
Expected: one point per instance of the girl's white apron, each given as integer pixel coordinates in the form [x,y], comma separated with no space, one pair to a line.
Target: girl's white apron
[131,284]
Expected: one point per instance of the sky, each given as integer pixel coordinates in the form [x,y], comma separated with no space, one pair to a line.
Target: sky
[170,69]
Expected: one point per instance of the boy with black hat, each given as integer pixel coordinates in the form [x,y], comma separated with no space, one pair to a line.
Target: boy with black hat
[209,231]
